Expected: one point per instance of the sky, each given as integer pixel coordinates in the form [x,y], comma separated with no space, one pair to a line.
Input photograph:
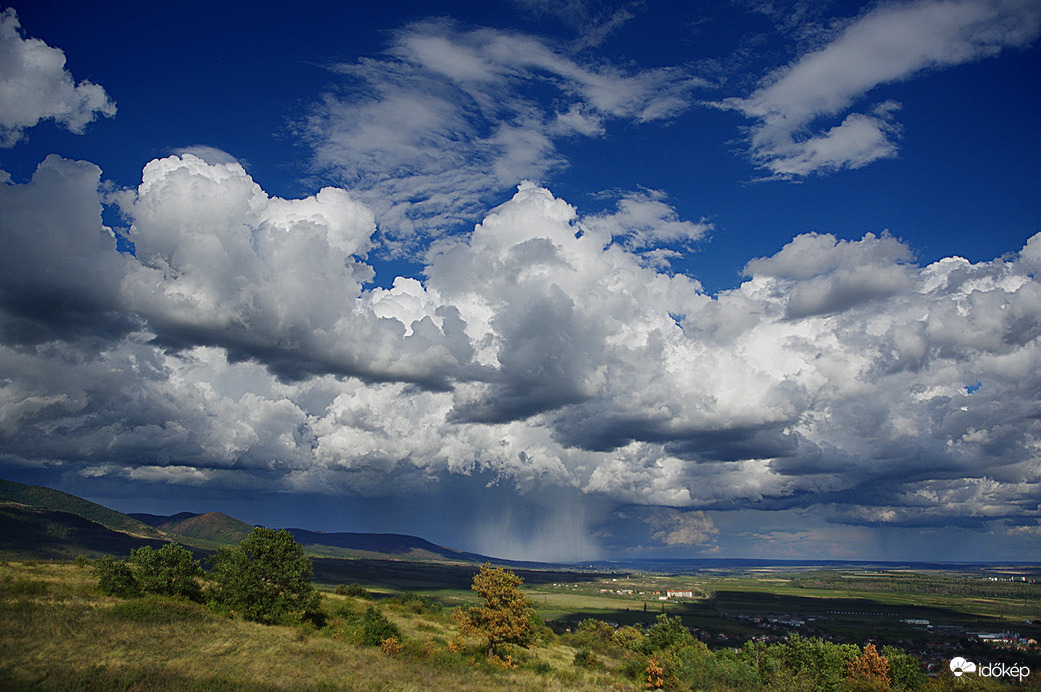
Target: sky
[554,280]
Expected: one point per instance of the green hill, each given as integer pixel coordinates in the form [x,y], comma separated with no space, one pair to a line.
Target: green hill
[210,529]
[47,498]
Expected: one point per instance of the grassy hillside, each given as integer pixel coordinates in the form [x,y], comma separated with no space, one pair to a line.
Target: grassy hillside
[57,632]
[50,499]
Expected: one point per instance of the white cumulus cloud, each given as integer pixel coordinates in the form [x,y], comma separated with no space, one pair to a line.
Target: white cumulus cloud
[35,86]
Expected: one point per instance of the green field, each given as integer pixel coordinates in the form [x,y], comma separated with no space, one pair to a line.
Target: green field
[841,602]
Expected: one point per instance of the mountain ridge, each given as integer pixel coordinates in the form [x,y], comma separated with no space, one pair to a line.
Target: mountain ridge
[59,522]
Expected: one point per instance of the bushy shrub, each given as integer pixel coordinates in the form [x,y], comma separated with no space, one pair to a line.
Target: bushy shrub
[824,662]
[905,669]
[595,634]
[869,670]
[419,604]
[169,571]
[390,646]
[628,637]
[376,627]
[722,669]
[115,578]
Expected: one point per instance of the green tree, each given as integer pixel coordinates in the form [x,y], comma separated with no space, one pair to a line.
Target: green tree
[764,659]
[594,634]
[170,571]
[507,616]
[822,661]
[665,632]
[356,590]
[905,669]
[266,578]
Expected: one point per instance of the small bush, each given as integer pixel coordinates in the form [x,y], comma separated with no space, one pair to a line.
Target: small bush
[584,658]
[655,674]
[377,627]
[542,668]
[628,637]
[665,632]
[390,646]
[356,590]
[419,604]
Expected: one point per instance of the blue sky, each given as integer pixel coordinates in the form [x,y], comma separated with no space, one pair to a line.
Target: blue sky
[547,280]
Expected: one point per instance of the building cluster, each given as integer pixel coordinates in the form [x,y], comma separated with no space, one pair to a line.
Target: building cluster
[661,595]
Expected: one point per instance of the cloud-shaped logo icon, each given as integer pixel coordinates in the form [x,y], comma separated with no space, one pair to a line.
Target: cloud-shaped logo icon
[959,665]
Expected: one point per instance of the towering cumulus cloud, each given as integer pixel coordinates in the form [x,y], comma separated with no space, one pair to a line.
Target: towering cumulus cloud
[839,375]
[59,274]
[279,281]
